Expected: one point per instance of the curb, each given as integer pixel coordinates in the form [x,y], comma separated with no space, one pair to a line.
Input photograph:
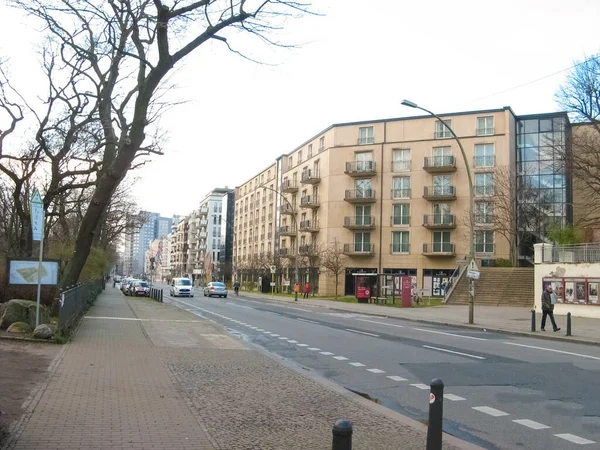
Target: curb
[27,339]
[537,335]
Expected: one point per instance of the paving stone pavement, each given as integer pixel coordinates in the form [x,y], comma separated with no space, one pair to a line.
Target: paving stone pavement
[142,374]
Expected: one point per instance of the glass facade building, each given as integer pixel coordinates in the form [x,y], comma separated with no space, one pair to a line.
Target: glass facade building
[544,186]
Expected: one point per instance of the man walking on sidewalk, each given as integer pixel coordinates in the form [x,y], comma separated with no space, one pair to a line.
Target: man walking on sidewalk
[548,300]
[306,290]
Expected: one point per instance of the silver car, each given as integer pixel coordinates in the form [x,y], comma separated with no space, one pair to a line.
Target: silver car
[215,288]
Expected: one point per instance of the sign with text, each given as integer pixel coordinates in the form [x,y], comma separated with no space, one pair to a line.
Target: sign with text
[406,292]
[37,216]
[26,272]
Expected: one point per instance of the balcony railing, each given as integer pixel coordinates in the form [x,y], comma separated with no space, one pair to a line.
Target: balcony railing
[399,248]
[365,140]
[486,131]
[289,186]
[309,225]
[572,253]
[359,195]
[307,249]
[359,249]
[439,221]
[401,166]
[484,161]
[400,220]
[400,193]
[439,163]
[309,201]
[286,252]
[439,193]
[439,248]
[287,230]
[310,176]
[287,209]
[360,168]
[483,191]
[359,222]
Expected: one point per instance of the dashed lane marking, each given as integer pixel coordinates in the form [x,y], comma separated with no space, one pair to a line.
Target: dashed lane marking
[453,352]
[306,320]
[302,345]
[531,424]
[361,332]
[396,378]
[357,364]
[453,398]
[490,411]
[375,370]
[552,350]
[381,323]
[284,338]
[313,349]
[326,353]
[575,439]
[274,335]
[291,341]
[340,358]
[420,386]
[450,334]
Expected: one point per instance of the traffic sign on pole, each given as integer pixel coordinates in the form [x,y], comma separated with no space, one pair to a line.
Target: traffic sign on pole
[37,216]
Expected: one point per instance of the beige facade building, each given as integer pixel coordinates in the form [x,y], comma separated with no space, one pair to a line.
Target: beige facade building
[395,195]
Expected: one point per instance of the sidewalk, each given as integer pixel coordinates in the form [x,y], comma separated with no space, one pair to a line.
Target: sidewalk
[508,319]
[146,375]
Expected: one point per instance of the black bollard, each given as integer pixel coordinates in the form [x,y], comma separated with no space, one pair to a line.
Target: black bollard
[568,324]
[533,320]
[436,413]
[342,435]
[161,295]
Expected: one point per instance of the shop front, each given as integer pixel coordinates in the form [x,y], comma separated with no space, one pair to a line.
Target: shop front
[435,281]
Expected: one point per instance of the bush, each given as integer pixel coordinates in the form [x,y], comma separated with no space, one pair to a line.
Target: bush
[502,262]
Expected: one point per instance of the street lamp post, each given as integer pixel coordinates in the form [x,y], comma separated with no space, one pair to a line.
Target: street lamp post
[471,203]
[297,237]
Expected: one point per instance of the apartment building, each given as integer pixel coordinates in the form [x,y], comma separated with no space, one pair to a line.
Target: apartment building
[395,194]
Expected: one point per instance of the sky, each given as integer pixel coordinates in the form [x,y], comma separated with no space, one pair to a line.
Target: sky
[356,61]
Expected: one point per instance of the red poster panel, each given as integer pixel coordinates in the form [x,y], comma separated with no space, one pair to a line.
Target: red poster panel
[406,292]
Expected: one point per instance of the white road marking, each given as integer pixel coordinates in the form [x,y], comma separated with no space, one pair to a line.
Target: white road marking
[375,370]
[267,332]
[326,353]
[314,349]
[575,439]
[298,309]
[253,328]
[283,337]
[259,329]
[242,306]
[306,320]
[274,313]
[552,350]
[135,319]
[361,332]
[453,398]
[490,411]
[420,386]
[302,345]
[357,364]
[381,323]
[450,334]
[274,335]
[531,424]
[452,351]
[340,358]
[396,378]
[291,341]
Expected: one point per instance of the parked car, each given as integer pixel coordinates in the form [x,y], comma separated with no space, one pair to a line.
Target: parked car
[140,288]
[124,282]
[129,286]
[181,287]
[215,288]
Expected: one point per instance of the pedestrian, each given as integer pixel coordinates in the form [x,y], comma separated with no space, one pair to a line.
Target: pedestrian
[548,301]
[306,290]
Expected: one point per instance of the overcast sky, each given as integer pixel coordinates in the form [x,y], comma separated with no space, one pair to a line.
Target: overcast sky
[357,62]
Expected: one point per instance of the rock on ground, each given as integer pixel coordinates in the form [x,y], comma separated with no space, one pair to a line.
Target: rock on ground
[21,311]
[19,327]
[43,331]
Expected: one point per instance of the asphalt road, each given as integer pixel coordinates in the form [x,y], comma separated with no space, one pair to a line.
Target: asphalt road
[501,391]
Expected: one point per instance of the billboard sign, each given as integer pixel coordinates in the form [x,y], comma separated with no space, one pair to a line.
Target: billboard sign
[26,272]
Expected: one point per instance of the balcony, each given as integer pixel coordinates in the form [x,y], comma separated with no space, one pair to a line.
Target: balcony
[307,250]
[401,166]
[311,226]
[400,194]
[286,252]
[310,176]
[435,193]
[203,210]
[439,249]
[287,230]
[309,201]
[439,221]
[437,164]
[359,249]
[483,191]
[486,131]
[360,168]
[359,223]
[202,247]
[287,209]
[289,186]
[484,162]
[203,222]
[360,196]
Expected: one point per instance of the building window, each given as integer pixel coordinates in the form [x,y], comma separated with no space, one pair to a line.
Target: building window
[363,215]
[363,188]
[401,214]
[400,187]
[485,126]
[441,242]
[442,185]
[400,242]
[299,156]
[321,144]
[401,160]
[483,213]
[291,162]
[441,130]
[309,155]
[442,157]
[484,241]
[365,135]
[484,155]
[484,184]
[362,242]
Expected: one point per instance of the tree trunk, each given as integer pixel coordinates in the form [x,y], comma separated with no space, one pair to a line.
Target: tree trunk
[336,287]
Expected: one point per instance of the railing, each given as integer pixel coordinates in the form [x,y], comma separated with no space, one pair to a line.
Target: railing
[309,200]
[287,209]
[307,249]
[439,191]
[575,253]
[359,222]
[287,229]
[454,279]
[360,167]
[439,162]
[358,194]
[439,219]
[485,131]
[366,140]
[75,301]
[289,185]
[439,247]
[484,161]
[359,248]
[401,166]
[400,193]
[310,175]
[309,225]
[286,251]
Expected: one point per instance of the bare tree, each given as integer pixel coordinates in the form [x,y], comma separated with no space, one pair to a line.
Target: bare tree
[334,262]
[122,52]
[310,258]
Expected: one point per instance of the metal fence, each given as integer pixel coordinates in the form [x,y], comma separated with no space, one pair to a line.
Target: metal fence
[75,300]
[575,253]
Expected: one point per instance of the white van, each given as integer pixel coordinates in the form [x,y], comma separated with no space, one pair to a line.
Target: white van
[181,287]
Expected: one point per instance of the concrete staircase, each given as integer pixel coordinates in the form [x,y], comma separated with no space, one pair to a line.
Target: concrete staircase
[498,286]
